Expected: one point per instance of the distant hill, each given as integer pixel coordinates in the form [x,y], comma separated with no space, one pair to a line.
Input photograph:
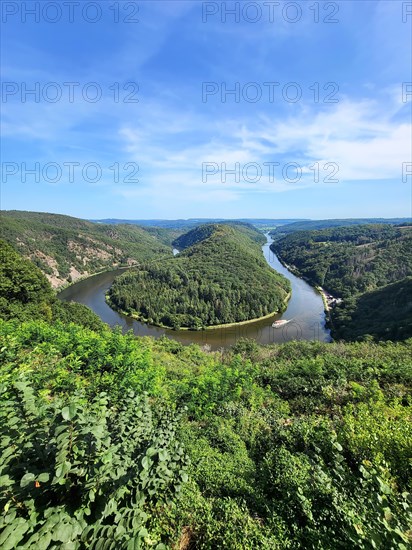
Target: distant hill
[311,225]
[194,236]
[165,224]
[202,232]
[219,277]
[66,248]
[165,235]
[194,222]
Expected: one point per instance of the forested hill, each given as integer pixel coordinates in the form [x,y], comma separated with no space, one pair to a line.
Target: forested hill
[202,232]
[221,278]
[66,248]
[348,260]
[351,261]
[194,236]
[384,314]
[187,224]
[313,225]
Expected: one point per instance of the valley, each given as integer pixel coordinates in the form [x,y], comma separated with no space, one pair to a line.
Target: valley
[305,307]
[206,275]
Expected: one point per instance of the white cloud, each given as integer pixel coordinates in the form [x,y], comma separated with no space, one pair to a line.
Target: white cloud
[361,138]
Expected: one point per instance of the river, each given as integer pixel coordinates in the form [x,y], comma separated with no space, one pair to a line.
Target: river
[305,309]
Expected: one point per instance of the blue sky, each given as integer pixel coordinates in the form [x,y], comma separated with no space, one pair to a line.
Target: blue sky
[319,125]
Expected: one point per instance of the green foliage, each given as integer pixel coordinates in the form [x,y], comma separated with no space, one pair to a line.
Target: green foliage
[219,278]
[202,232]
[164,235]
[65,357]
[350,260]
[195,236]
[312,225]
[23,288]
[81,475]
[330,504]
[72,312]
[381,432]
[225,523]
[112,441]
[297,446]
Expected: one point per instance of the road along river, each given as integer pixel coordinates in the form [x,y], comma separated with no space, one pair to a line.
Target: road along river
[305,310]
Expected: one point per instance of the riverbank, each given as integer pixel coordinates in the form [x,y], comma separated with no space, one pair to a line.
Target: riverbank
[65,286]
[206,328]
[324,295]
[325,301]
[114,268]
[326,307]
[268,316]
[318,288]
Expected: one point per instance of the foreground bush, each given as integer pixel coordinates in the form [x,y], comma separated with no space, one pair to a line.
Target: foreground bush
[298,446]
[80,475]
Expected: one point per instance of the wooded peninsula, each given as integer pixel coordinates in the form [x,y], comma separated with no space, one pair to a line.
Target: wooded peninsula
[219,277]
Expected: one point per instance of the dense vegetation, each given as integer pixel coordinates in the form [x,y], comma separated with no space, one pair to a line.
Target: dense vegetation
[312,225]
[194,236]
[202,232]
[384,314]
[352,261]
[116,442]
[171,236]
[220,277]
[65,248]
[191,223]
[164,235]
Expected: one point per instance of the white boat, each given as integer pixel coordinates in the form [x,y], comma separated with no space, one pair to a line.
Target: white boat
[280,323]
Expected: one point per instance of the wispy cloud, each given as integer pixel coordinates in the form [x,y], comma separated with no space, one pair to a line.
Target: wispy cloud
[364,139]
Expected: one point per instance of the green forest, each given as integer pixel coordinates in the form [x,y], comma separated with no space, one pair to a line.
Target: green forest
[311,225]
[66,248]
[117,442]
[202,232]
[368,266]
[219,277]
[383,314]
